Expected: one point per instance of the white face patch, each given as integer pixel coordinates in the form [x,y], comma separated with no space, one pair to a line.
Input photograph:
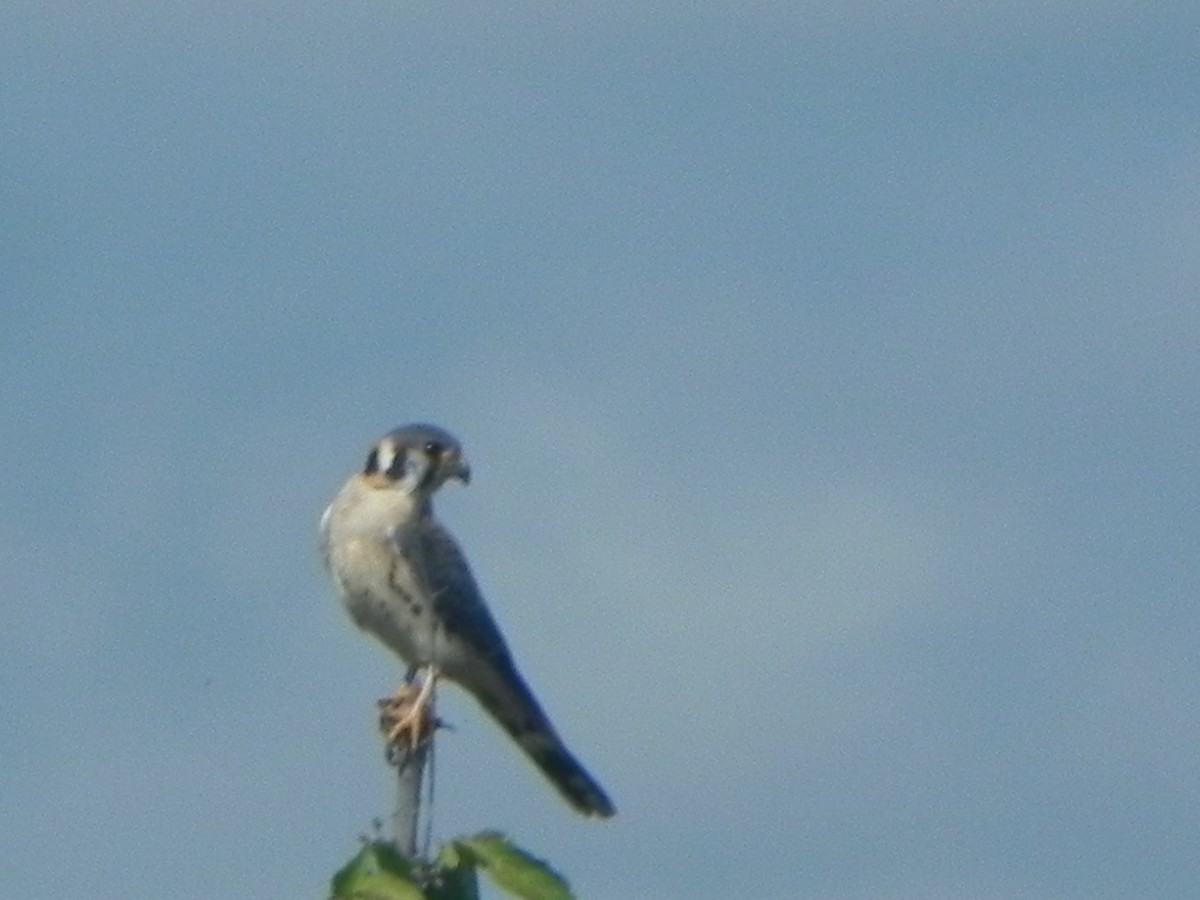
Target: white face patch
[385,455]
[416,465]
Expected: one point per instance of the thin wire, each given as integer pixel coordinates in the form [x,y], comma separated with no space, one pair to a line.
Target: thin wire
[429,773]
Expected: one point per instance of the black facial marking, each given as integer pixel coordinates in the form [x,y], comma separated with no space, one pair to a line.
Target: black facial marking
[372,465]
[396,470]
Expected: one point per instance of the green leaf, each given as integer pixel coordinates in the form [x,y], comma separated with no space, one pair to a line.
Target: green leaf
[512,869]
[377,872]
[453,876]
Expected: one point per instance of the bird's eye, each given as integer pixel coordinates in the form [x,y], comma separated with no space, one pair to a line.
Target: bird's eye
[433,448]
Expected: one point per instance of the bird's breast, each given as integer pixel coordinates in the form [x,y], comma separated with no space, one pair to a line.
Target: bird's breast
[386,598]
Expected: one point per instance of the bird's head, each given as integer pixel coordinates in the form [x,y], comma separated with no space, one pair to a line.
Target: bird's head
[416,459]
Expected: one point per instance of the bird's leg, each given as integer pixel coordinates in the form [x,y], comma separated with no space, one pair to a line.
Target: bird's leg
[405,717]
[426,692]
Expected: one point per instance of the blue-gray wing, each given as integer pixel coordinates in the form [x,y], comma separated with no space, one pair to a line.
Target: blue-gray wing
[457,600]
[490,675]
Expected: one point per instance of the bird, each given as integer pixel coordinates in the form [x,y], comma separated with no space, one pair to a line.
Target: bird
[404,580]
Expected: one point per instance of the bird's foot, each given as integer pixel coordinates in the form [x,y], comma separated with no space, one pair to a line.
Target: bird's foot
[407,717]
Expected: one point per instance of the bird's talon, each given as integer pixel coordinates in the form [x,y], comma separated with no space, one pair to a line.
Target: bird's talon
[406,718]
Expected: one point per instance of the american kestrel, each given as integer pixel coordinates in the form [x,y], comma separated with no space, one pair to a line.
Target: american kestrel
[403,579]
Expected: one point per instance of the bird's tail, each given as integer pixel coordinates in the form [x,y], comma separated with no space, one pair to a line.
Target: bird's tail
[510,702]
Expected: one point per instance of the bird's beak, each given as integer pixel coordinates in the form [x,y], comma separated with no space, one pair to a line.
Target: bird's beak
[461,470]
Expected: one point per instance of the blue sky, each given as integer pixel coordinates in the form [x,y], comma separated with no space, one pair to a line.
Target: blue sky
[829,374]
